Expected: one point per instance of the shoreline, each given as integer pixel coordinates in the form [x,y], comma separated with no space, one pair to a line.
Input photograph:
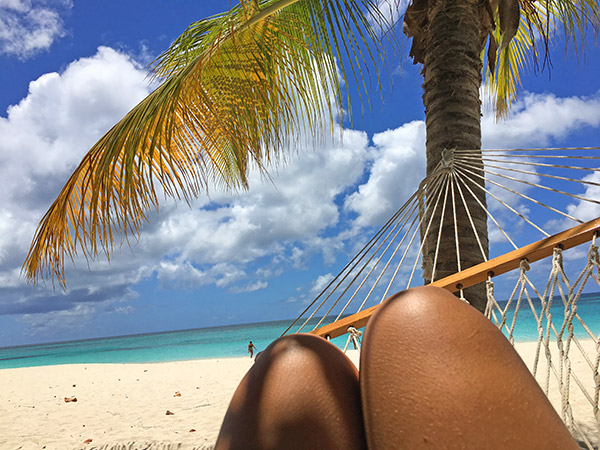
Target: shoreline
[120,404]
[93,363]
[169,361]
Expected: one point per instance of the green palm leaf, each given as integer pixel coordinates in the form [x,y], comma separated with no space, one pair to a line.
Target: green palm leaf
[540,23]
[236,88]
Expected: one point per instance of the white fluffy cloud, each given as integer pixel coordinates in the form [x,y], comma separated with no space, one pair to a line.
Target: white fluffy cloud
[297,205]
[536,119]
[584,210]
[316,203]
[321,283]
[398,156]
[46,135]
[185,275]
[28,27]
[64,114]
[581,209]
[277,223]
[398,165]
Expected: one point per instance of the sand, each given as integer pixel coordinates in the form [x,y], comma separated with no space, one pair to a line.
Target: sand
[116,404]
[124,406]
[582,358]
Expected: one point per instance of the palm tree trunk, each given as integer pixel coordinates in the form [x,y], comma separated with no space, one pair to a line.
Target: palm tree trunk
[452,78]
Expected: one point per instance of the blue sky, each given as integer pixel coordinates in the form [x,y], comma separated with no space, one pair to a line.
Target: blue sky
[71,69]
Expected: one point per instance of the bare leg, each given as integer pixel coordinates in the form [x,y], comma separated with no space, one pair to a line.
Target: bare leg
[435,373]
[302,393]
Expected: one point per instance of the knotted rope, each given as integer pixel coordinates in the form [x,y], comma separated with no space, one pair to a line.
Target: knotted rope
[354,335]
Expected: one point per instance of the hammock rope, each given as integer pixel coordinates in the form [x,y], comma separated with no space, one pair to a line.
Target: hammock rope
[389,261]
[558,344]
[536,190]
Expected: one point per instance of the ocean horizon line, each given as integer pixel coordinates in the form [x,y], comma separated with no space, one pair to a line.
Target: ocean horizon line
[149,333]
[242,324]
[231,340]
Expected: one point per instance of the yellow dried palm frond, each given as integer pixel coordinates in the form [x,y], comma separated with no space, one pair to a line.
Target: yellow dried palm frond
[236,88]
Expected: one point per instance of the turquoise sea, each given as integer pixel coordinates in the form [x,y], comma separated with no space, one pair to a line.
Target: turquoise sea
[225,341]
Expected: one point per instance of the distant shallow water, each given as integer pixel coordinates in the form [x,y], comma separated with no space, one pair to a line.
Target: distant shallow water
[228,341]
[526,328]
[200,343]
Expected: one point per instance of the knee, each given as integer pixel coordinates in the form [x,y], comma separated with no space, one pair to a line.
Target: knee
[424,313]
[297,366]
[284,401]
[422,301]
[299,356]
[451,366]
[421,326]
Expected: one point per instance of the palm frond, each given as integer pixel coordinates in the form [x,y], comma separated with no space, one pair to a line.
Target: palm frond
[503,82]
[237,87]
[539,25]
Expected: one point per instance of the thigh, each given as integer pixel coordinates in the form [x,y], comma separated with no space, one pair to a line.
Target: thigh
[435,373]
[301,393]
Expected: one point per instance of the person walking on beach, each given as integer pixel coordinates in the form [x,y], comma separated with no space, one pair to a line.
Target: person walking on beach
[251,349]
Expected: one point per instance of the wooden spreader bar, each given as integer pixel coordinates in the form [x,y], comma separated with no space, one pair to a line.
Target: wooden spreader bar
[476,274]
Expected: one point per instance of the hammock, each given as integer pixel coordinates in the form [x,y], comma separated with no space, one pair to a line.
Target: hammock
[567,349]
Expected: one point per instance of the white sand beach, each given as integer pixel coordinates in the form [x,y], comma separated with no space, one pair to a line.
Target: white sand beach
[124,406]
[116,403]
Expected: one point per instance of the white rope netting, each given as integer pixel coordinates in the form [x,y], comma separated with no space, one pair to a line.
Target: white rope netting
[565,357]
[529,194]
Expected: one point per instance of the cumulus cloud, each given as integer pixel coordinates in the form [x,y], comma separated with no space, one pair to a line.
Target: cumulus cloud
[584,210]
[186,275]
[48,132]
[398,165]
[43,138]
[316,204]
[28,27]
[298,204]
[538,119]
[321,283]
[275,224]
[397,158]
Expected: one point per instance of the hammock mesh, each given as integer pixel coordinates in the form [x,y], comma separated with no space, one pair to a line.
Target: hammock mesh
[528,192]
